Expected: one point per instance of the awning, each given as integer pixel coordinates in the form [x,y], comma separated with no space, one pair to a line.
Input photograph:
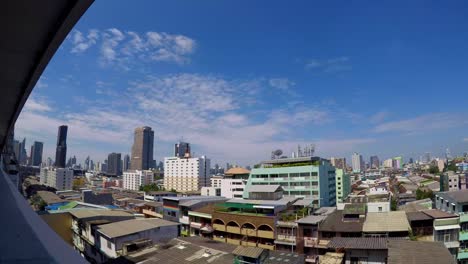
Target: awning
[446,227]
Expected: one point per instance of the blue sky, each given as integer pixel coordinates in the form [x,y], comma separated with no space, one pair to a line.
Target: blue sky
[238,79]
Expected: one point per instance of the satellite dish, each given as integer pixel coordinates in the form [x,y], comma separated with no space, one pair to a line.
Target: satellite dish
[278,152]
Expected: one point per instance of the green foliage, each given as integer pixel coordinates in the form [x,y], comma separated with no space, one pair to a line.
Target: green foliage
[411,235]
[287,217]
[423,194]
[150,188]
[452,166]
[394,204]
[38,203]
[434,170]
[314,163]
[256,166]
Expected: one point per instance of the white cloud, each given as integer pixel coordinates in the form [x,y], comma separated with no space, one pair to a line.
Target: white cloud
[423,123]
[81,43]
[332,65]
[125,47]
[281,83]
[37,105]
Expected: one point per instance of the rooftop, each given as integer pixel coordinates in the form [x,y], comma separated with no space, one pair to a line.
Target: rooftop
[418,252]
[291,160]
[265,188]
[123,228]
[455,196]
[334,223]
[236,171]
[311,219]
[50,197]
[331,258]
[82,214]
[417,216]
[195,197]
[282,201]
[437,214]
[250,252]
[394,221]
[358,242]
[355,208]
[207,209]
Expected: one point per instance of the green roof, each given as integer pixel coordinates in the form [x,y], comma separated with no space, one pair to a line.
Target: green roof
[68,205]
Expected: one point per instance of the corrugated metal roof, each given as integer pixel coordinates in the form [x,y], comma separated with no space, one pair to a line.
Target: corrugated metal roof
[128,227]
[417,216]
[251,252]
[358,242]
[437,214]
[386,222]
[418,252]
[311,219]
[457,196]
[334,223]
[93,213]
[265,188]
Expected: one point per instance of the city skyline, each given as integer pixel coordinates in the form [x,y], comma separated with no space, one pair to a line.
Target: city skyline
[118,73]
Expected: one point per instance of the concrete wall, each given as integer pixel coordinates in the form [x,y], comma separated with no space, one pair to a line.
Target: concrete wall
[61,224]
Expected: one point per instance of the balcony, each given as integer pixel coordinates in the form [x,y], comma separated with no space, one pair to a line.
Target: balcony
[248,232]
[266,246]
[232,241]
[463,235]
[184,220]
[310,241]
[219,227]
[452,244]
[462,254]
[311,258]
[265,234]
[463,217]
[286,240]
[195,225]
[233,229]
[248,244]
[220,239]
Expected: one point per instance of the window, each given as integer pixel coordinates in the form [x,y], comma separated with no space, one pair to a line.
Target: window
[109,244]
[380,208]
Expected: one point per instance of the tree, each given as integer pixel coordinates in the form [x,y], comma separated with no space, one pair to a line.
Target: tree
[452,166]
[150,188]
[423,194]
[434,170]
[394,204]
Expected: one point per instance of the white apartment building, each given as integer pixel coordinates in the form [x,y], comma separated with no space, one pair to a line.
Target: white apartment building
[388,163]
[133,179]
[58,178]
[186,174]
[357,162]
[232,184]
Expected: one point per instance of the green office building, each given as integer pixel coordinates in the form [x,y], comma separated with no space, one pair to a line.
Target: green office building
[308,177]
[343,185]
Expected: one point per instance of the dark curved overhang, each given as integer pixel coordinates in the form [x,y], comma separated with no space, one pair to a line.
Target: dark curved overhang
[31,32]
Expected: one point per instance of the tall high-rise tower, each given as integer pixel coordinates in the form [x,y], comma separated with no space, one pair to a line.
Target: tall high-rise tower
[114,164]
[142,149]
[61,150]
[36,153]
[126,162]
[182,149]
[357,162]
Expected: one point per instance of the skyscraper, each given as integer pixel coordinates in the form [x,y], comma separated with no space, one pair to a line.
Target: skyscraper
[357,162]
[61,150]
[126,163]
[374,162]
[339,163]
[142,149]
[181,149]
[114,164]
[36,153]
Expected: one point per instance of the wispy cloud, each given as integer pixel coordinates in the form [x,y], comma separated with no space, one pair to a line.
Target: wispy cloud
[119,47]
[334,65]
[379,116]
[423,123]
[209,111]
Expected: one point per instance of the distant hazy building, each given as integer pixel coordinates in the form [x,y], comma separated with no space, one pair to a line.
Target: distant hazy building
[186,174]
[427,157]
[114,164]
[339,163]
[357,162]
[397,163]
[142,149]
[133,179]
[20,151]
[36,153]
[58,178]
[441,164]
[388,163]
[126,163]
[61,150]
[181,149]
[374,162]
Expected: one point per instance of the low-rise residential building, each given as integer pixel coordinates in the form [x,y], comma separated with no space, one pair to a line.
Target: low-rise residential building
[200,221]
[249,222]
[457,203]
[157,196]
[302,177]
[177,209]
[446,229]
[233,182]
[211,191]
[58,178]
[133,179]
[120,238]
[84,225]
[387,224]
